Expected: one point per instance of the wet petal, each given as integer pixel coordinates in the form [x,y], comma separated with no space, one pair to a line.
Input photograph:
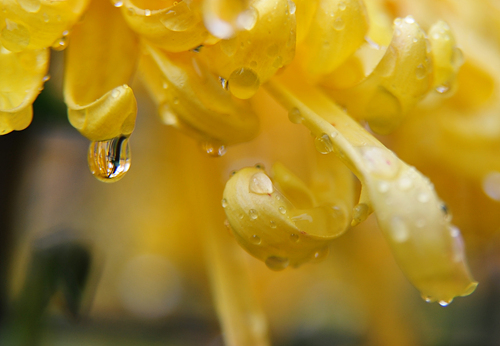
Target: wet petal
[99,61]
[173,26]
[270,227]
[223,18]
[255,54]
[399,81]
[192,99]
[23,75]
[37,24]
[426,246]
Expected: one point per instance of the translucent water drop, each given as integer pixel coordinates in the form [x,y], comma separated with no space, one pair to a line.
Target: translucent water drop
[224,203]
[291,7]
[255,239]
[409,20]
[147,13]
[491,185]
[320,255]
[282,210]
[380,162]
[359,213]
[398,229]
[115,93]
[295,116]
[109,160]
[60,44]
[247,19]
[30,6]
[278,197]
[15,36]
[213,148]
[445,302]
[244,83]
[167,115]
[442,88]
[294,237]
[229,47]
[338,23]
[427,299]
[383,186]
[420,71]
[278,62]
[423,197]
[405,184]
[261,184]
[457,57]
[272,224]
[398,22]
[323,144]
[118,3]
[342,6]
[45,78]
[277,263]
[45,17]
[253,214]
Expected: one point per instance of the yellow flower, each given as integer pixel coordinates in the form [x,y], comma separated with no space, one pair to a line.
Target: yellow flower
[360,76]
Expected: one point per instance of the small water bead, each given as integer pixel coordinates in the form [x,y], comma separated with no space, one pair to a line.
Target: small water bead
[277,263]
[261,184]
[253,214]
[109,160]
[272,224]
[167,116]
[213,148]
[291,7]
[342,6]
[15,36]
[278,62]
[282,210]
[45,78]
[444,303]
[405,183]
[398,229]
[491,185]
[60,44]
[31,6]
[321,254]
[255,239]
[247,19]
[423,197]
[278,197]
[118,3]
[421,71]
[224,203]
[295,116]
[380,162]
[427,299]
[323,144]
[457,57]
[338,24]
[383,186]
[409,20]
[244,83]
[458,244]
[398,22]
[45,17]
[115,93]
[175,101]
[442,88]
[359,213]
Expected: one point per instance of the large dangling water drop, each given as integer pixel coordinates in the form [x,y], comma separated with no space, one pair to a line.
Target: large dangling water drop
[109,160]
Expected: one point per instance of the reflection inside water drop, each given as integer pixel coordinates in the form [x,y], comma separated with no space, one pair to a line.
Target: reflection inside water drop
[109,160]
[277,263]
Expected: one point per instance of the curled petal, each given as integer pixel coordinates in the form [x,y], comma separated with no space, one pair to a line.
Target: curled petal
[37,24]
[398,82]
[100,105]
[175,28]
[23,75]
[192,99]
[426,246]
[336,32]
[223,18]
[270,227]
[252,56]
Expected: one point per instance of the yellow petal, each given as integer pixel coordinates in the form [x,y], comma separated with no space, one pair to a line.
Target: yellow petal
[223,18]
[337,30]
[174,27]
[255,54]
[22,79]
[270,227]
[193,100]
[399,81]
[427,247]
[99,61]
[36,24]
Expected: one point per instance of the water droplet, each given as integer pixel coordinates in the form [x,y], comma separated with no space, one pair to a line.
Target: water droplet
[15,36]
[338,23]
[457,57]
[247,19]
[320,255]
[491,185]
[228,225]
[445,302]
[175,101]
[278,197]
[147,13]
[398,22]
[224,203]
[224,83]
[398,230]
[380,162]
[272,224]
[427,299]
[115,93]
[255,239]
[45,78]
[295,116]
[213,148]
[118,3]
[261,184]
[253,214]
[294,237]
[405,183]
[421,71]
[342,6]
[30,6]
[291,7]
[442,88]
[359,213]
[383,186]
[229,47]
[244,83]
[409,20]
[397,32]
[45,17]
[423,197]
[278,62]
[60,44]
[458,244]
[282,210]
[323,144]
[414,40]
[277,263]
[167,116]
[109,160]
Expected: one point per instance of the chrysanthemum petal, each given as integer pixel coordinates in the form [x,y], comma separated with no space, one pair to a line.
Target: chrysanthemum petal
[337,30]
[175,27]
[427,247]
[23,74]
[255,54]
[99,61]
[37,24]
[398,82]
[270,227]
[192,99]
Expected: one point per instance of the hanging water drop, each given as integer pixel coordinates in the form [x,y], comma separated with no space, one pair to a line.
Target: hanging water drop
[277,263]
[295,116]
[213,148]
[323,144]
[224,203]
[445,302]
[109,160]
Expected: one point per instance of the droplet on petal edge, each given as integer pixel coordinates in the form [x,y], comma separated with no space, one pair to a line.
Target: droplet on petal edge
[213,148]
[261,184]
[277,263]
[109,160]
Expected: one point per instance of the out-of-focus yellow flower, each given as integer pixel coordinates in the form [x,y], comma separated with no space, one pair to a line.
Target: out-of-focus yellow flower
[347,70]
